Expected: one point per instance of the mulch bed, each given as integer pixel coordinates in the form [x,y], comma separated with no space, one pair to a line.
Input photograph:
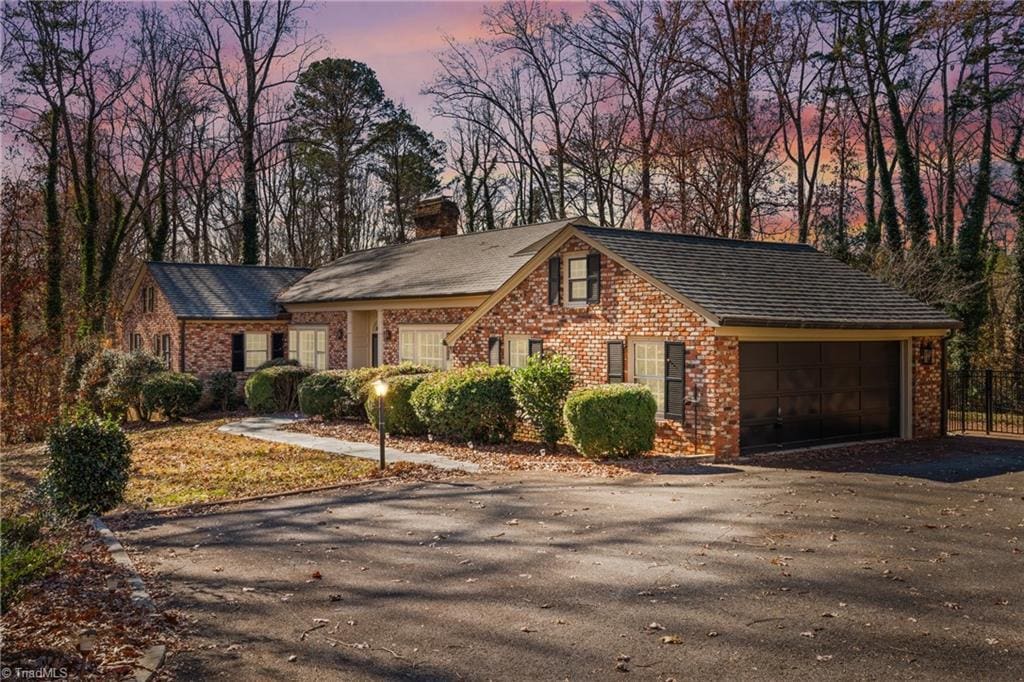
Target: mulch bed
[81,617]
[515,456]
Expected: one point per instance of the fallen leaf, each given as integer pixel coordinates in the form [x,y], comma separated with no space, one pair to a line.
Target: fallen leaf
[671,639]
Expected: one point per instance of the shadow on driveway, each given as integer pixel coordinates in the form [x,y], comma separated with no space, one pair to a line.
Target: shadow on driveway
[953,459]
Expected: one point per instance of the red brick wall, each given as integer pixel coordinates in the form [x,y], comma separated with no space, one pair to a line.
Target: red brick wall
[336,322]
[927,389]
[208,343]
[150,324]
[395,318]
[629,307]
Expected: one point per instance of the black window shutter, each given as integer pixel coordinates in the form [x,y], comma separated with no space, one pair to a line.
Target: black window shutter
[277,345]
[536,347]
[554,280]
[616,366]
[494,350]
[593,278]
[675,392]
[238,352]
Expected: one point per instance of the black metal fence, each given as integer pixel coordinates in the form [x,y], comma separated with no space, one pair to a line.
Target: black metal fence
[985,400]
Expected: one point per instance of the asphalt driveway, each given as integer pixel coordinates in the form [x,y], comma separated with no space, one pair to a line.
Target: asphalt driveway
[726,572]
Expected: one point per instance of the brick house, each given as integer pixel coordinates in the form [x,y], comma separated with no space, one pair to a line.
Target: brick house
[746,346]
[203,318]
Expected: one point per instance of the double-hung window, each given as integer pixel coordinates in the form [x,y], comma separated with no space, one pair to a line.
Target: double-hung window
[649,369]
[309,347]
[257,349]
[165,350]
[577,281]
[422,346]
[518,351]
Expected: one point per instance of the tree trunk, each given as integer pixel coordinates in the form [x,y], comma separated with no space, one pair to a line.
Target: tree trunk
[54,312]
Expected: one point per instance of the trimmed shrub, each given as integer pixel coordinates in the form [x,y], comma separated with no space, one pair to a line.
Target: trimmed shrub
[470,404]
[615,420]
[399,416]
[278,362]
[95,377]
[172,394]
[89,462]
[275,389]
[124,388]
[320,393]
[221,389]
[540,389]
[357,385]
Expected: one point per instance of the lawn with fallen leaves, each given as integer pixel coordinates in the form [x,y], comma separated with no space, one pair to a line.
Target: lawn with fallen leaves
[189,463]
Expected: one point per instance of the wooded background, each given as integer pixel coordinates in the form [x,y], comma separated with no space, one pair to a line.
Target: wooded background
[888,134]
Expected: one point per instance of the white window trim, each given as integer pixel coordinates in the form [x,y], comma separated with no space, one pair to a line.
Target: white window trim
[508,347]
[630,361]
[444,329]
[567,282]
[293,349]
[245,349]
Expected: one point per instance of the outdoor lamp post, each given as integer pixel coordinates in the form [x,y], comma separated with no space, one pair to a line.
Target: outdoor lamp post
[380,387]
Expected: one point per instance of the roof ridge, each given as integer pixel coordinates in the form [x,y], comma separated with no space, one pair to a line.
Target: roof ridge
[227,265]
[700,237]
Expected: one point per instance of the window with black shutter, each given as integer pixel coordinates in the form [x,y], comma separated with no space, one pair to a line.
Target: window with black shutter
[165,349]
[238,352]
[616,364]
[277,345]
[536,347]
[593,278]
[554,280]
[494,350]
[675,365]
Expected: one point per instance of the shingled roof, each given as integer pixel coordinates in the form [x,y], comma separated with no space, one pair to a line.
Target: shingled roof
[476,263]
[747,283]
[201,291]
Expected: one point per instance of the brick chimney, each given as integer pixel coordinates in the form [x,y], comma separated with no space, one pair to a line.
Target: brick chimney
[436,216]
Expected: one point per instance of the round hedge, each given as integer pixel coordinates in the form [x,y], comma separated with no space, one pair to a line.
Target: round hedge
[470,404]
[540,389]
[172,394]
[222,389]
[124,386]
[399,416]
[275,389]
[615,420]
[319,394]
[90,459]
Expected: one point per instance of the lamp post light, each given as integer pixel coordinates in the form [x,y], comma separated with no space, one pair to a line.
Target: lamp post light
[380,387]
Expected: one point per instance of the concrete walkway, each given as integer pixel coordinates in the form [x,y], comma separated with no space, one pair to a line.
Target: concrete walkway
[268,428]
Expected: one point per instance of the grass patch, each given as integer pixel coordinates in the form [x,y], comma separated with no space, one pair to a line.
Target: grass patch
[190,463]
[25,554]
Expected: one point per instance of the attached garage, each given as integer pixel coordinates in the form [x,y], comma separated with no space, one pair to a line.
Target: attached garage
[804,393]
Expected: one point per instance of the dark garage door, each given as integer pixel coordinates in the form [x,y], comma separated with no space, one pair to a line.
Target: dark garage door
[796,394]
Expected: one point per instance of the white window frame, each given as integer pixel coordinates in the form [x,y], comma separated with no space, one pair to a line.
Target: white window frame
[410,348]
[320,344]
[645,378]
[250,366]
[517,339]
[569,279]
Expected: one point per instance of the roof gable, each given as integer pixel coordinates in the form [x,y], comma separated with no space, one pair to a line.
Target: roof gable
[203,291]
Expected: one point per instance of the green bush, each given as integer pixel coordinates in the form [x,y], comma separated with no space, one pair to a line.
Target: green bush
[320,393]
[24,555]
[124,387]
[357,385]
[278,362]
[172,394]
[615,420]
[74,367]
[540,389]
[95,377]
[221,389]
[275,389]
[470,404]
[399,416]
[89,462]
